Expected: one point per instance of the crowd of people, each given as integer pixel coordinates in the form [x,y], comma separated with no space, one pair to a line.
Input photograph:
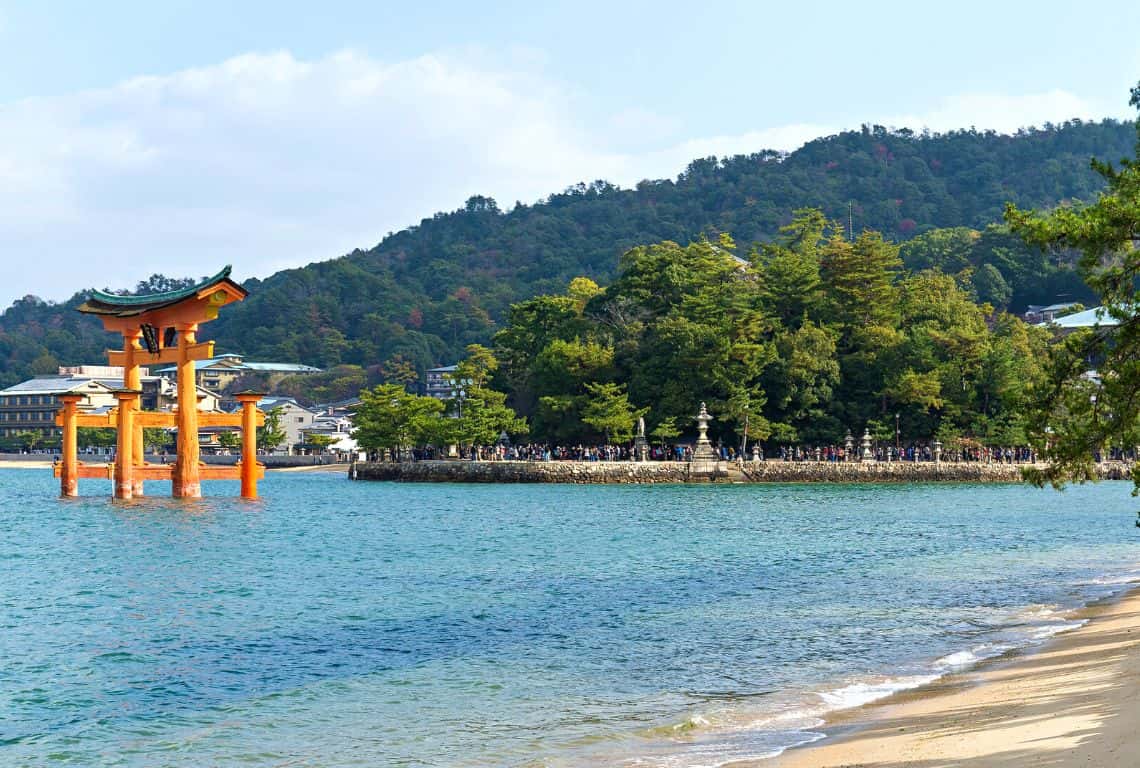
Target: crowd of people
[684,452]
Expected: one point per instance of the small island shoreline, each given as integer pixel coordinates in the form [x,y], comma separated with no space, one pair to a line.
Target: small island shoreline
[1073,701]
[652,472]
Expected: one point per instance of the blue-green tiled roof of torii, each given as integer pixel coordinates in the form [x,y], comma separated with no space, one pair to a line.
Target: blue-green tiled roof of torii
[103,303]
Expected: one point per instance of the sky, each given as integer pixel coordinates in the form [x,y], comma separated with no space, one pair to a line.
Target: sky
[177,137]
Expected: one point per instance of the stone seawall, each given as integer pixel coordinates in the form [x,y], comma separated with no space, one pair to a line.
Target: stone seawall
[678,472]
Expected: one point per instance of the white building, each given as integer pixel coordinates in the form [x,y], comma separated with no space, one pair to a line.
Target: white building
[295,420]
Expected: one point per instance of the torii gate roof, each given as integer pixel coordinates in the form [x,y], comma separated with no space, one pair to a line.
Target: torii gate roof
[114,305]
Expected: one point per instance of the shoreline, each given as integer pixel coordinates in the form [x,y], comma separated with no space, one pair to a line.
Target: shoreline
[1070,701]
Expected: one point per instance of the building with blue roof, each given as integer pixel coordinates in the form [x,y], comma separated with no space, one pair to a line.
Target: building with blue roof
[1097,317]
[220,371]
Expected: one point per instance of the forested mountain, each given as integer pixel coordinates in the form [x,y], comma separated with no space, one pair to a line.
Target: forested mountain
[426,292]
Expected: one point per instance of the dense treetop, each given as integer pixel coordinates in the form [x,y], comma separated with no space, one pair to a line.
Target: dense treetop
[809,337]
[422,295]
[1077,415]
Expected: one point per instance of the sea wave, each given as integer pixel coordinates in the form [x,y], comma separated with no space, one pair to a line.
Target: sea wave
[711,741]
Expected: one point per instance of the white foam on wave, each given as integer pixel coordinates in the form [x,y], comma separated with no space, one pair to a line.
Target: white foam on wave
[1030,626]
[1121,580]
[961,660]
[858,694]
[718,748]
[1044,633]
[958,660]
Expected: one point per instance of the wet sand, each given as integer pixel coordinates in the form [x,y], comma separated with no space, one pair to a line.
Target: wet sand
[1073,702]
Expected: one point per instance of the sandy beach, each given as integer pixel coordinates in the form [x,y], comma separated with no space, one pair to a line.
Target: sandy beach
[1073,702]
[31,464]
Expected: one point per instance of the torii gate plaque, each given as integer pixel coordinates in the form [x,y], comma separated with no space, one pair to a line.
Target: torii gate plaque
[161,328]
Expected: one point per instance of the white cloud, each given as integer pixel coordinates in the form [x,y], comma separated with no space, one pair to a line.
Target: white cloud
[267,161]
[1000,112]
[996,111]
[264,161]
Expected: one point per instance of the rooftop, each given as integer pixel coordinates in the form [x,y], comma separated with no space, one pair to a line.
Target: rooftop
[50,384]
[1089,318]
[1038,308]
[103,303]
[235,363]
[277,402]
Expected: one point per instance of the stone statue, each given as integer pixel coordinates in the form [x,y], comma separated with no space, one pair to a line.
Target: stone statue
[640,444]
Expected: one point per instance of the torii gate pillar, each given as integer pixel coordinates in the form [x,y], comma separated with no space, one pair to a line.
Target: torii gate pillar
[187,483]
[69,466]
[125,439]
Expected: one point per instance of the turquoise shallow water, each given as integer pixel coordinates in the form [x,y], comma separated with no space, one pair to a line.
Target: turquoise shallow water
[336,623]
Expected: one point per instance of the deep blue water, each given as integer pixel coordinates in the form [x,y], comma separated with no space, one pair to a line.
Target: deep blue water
[335,623]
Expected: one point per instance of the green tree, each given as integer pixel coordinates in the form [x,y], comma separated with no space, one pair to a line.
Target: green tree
[271,434]
[399,370]
[609,411]
[229,440]
[94,437]
[389,418]
[320,442]
[801,383]
[1076,417]
[156,439]
[485,417]
[478,367]
[789,270]
[665,430]
[859,280]
[991,287]
[29,439]
[948,250]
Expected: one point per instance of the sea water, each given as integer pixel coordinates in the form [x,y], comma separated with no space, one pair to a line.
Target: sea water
[334,623]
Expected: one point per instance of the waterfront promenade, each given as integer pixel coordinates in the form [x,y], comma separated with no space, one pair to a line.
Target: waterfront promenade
[604,472]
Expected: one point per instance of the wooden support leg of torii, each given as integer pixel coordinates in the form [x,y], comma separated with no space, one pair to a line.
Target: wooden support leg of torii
[124,450]
[69,464]
[186,480]
[132,379]
[249,465]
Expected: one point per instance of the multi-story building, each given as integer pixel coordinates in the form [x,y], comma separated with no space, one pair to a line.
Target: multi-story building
[438,382]
[1038,313]
[221,371]
[337,426]
[294,420]
[30,406]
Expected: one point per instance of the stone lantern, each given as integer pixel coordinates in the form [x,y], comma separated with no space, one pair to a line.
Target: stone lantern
[937,451]
[866,454]
[705,459]
[848,447]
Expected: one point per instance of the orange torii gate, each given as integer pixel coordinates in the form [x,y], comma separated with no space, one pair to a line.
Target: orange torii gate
[160,328]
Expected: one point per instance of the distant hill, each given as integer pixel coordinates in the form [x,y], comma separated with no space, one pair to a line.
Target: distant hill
[429,290]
